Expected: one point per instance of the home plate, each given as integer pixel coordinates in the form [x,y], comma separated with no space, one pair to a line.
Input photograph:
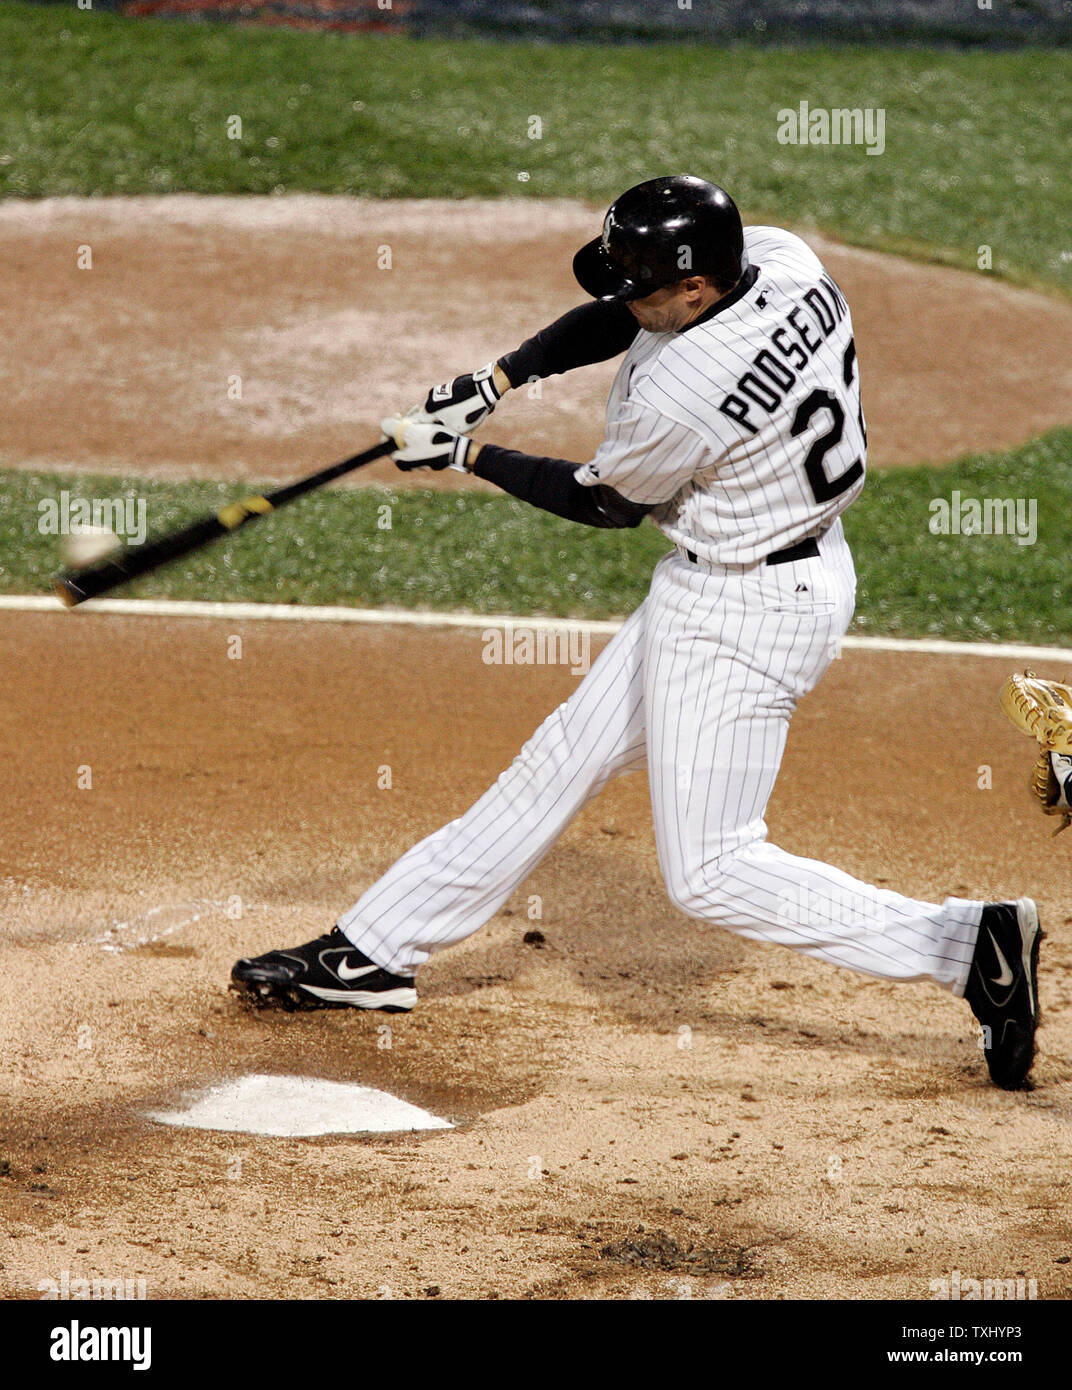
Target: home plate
[298,1106]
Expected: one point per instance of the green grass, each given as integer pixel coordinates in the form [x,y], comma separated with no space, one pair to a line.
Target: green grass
[976,143]
[488,554]
[979,588]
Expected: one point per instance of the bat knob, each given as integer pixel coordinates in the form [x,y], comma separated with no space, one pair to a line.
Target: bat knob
[67,591]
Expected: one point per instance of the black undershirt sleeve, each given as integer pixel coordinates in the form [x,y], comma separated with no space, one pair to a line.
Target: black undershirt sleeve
[549,484]
[593,332]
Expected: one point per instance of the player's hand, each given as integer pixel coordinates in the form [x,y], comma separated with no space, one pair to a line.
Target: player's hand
[464,402]
[426,444]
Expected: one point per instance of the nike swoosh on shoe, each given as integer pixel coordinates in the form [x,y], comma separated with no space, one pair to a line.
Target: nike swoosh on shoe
[346,972]
[1006,976]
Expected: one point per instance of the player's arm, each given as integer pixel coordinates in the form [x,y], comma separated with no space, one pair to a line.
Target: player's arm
[645,459]
[551,484]
[548,483]
[593,332]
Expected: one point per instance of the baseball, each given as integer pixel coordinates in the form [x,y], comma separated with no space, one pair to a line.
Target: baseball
[89,545]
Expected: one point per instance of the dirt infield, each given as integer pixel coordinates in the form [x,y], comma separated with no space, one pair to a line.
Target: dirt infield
[647,1106]
[131,362]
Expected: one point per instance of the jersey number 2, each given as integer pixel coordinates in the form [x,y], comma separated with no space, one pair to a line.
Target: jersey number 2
[824,487]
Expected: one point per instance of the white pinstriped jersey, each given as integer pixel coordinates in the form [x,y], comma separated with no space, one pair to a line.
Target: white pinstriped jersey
[745,432]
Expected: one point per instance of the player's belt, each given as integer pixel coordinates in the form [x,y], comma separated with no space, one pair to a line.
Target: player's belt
[803,550]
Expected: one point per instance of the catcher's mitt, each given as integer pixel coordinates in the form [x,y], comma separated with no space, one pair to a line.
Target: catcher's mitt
[1043,710]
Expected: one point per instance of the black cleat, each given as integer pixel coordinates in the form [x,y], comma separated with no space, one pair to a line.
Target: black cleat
[1003,989]
[328,973]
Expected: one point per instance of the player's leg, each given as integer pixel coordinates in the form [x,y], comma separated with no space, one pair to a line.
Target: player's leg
[728,656]
[448,885]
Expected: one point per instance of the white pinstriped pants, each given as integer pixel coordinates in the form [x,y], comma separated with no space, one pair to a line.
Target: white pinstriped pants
[700,684]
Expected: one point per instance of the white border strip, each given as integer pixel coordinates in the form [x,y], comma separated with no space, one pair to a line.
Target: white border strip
[406,617]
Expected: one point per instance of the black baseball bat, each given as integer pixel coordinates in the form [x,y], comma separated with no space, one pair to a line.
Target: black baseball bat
[75,586]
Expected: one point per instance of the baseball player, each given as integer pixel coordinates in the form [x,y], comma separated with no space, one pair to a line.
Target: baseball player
[734,424]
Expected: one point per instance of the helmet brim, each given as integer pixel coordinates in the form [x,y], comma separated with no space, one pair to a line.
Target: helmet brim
[598,276]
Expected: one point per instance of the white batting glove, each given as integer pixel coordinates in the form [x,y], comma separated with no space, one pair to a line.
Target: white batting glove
[424,444]
[462,403]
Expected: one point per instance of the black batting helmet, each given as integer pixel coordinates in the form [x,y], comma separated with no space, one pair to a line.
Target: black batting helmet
[658,233]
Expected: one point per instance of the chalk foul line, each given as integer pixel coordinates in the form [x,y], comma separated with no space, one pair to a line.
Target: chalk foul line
[407,617]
